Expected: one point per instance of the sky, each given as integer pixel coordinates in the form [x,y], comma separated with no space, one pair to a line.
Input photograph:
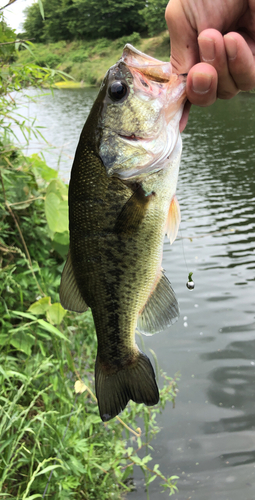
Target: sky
[14,14]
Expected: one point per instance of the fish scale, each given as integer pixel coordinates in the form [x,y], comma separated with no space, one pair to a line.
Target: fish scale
[118,216]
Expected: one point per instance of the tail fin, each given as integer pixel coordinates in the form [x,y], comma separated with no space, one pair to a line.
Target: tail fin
[135,381]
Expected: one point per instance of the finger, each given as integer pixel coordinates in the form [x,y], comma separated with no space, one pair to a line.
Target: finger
[185,116]
[184,48]
[201,87]
[213,51]
[241,59]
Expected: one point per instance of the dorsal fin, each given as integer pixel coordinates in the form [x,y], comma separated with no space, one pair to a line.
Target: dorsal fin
[69,293]
[173,220]
[161,309]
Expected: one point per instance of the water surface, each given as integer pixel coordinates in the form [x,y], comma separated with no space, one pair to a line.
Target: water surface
[60,118]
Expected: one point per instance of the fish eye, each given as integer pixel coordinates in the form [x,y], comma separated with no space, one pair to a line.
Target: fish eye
[117,91]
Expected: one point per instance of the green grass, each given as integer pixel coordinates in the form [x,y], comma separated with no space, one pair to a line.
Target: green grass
[87,62]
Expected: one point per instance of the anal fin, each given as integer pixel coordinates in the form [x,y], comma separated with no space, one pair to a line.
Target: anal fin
[69,293]
[161,309]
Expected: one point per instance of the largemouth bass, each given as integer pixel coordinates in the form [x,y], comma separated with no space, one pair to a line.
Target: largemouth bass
[121,203]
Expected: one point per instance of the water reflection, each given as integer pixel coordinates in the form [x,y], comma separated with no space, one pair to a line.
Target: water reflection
[232,386]
[60,117]
[236,459]
[237,424]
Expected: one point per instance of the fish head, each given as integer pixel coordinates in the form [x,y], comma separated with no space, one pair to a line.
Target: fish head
[143,103]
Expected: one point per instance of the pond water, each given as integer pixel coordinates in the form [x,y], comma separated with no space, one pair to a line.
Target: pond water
[208,440]
[59,118]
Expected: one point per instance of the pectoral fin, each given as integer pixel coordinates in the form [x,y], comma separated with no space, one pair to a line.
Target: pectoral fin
[173,220]
[161,309]
[70,296]
[133,212]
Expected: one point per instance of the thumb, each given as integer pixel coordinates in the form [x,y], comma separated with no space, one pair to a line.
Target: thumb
[183,38]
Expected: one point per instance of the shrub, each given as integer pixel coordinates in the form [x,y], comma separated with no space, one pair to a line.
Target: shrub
[134,39]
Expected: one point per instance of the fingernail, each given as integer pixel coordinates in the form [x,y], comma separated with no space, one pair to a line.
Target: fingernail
[207,49]
[231,48]
[201,82]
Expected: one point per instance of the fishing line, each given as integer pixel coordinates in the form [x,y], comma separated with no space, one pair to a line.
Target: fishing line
[190,283]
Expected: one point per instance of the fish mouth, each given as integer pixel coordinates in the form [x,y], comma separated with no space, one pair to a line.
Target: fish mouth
[133,137]
[157,70]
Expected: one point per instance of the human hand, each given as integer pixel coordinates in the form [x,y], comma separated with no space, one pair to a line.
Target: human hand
[214,42]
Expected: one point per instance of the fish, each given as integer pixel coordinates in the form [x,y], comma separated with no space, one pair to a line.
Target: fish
[122,202]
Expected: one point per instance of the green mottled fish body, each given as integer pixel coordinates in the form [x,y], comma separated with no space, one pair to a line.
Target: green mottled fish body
[121,193]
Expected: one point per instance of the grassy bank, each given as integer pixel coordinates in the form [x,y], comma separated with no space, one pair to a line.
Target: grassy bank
[87,62]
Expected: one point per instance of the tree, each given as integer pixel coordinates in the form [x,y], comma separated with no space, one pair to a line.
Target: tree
[33,25]
[7,49]
[54,26]
[154,16]
[110,19]
[84,19]
[58,17]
